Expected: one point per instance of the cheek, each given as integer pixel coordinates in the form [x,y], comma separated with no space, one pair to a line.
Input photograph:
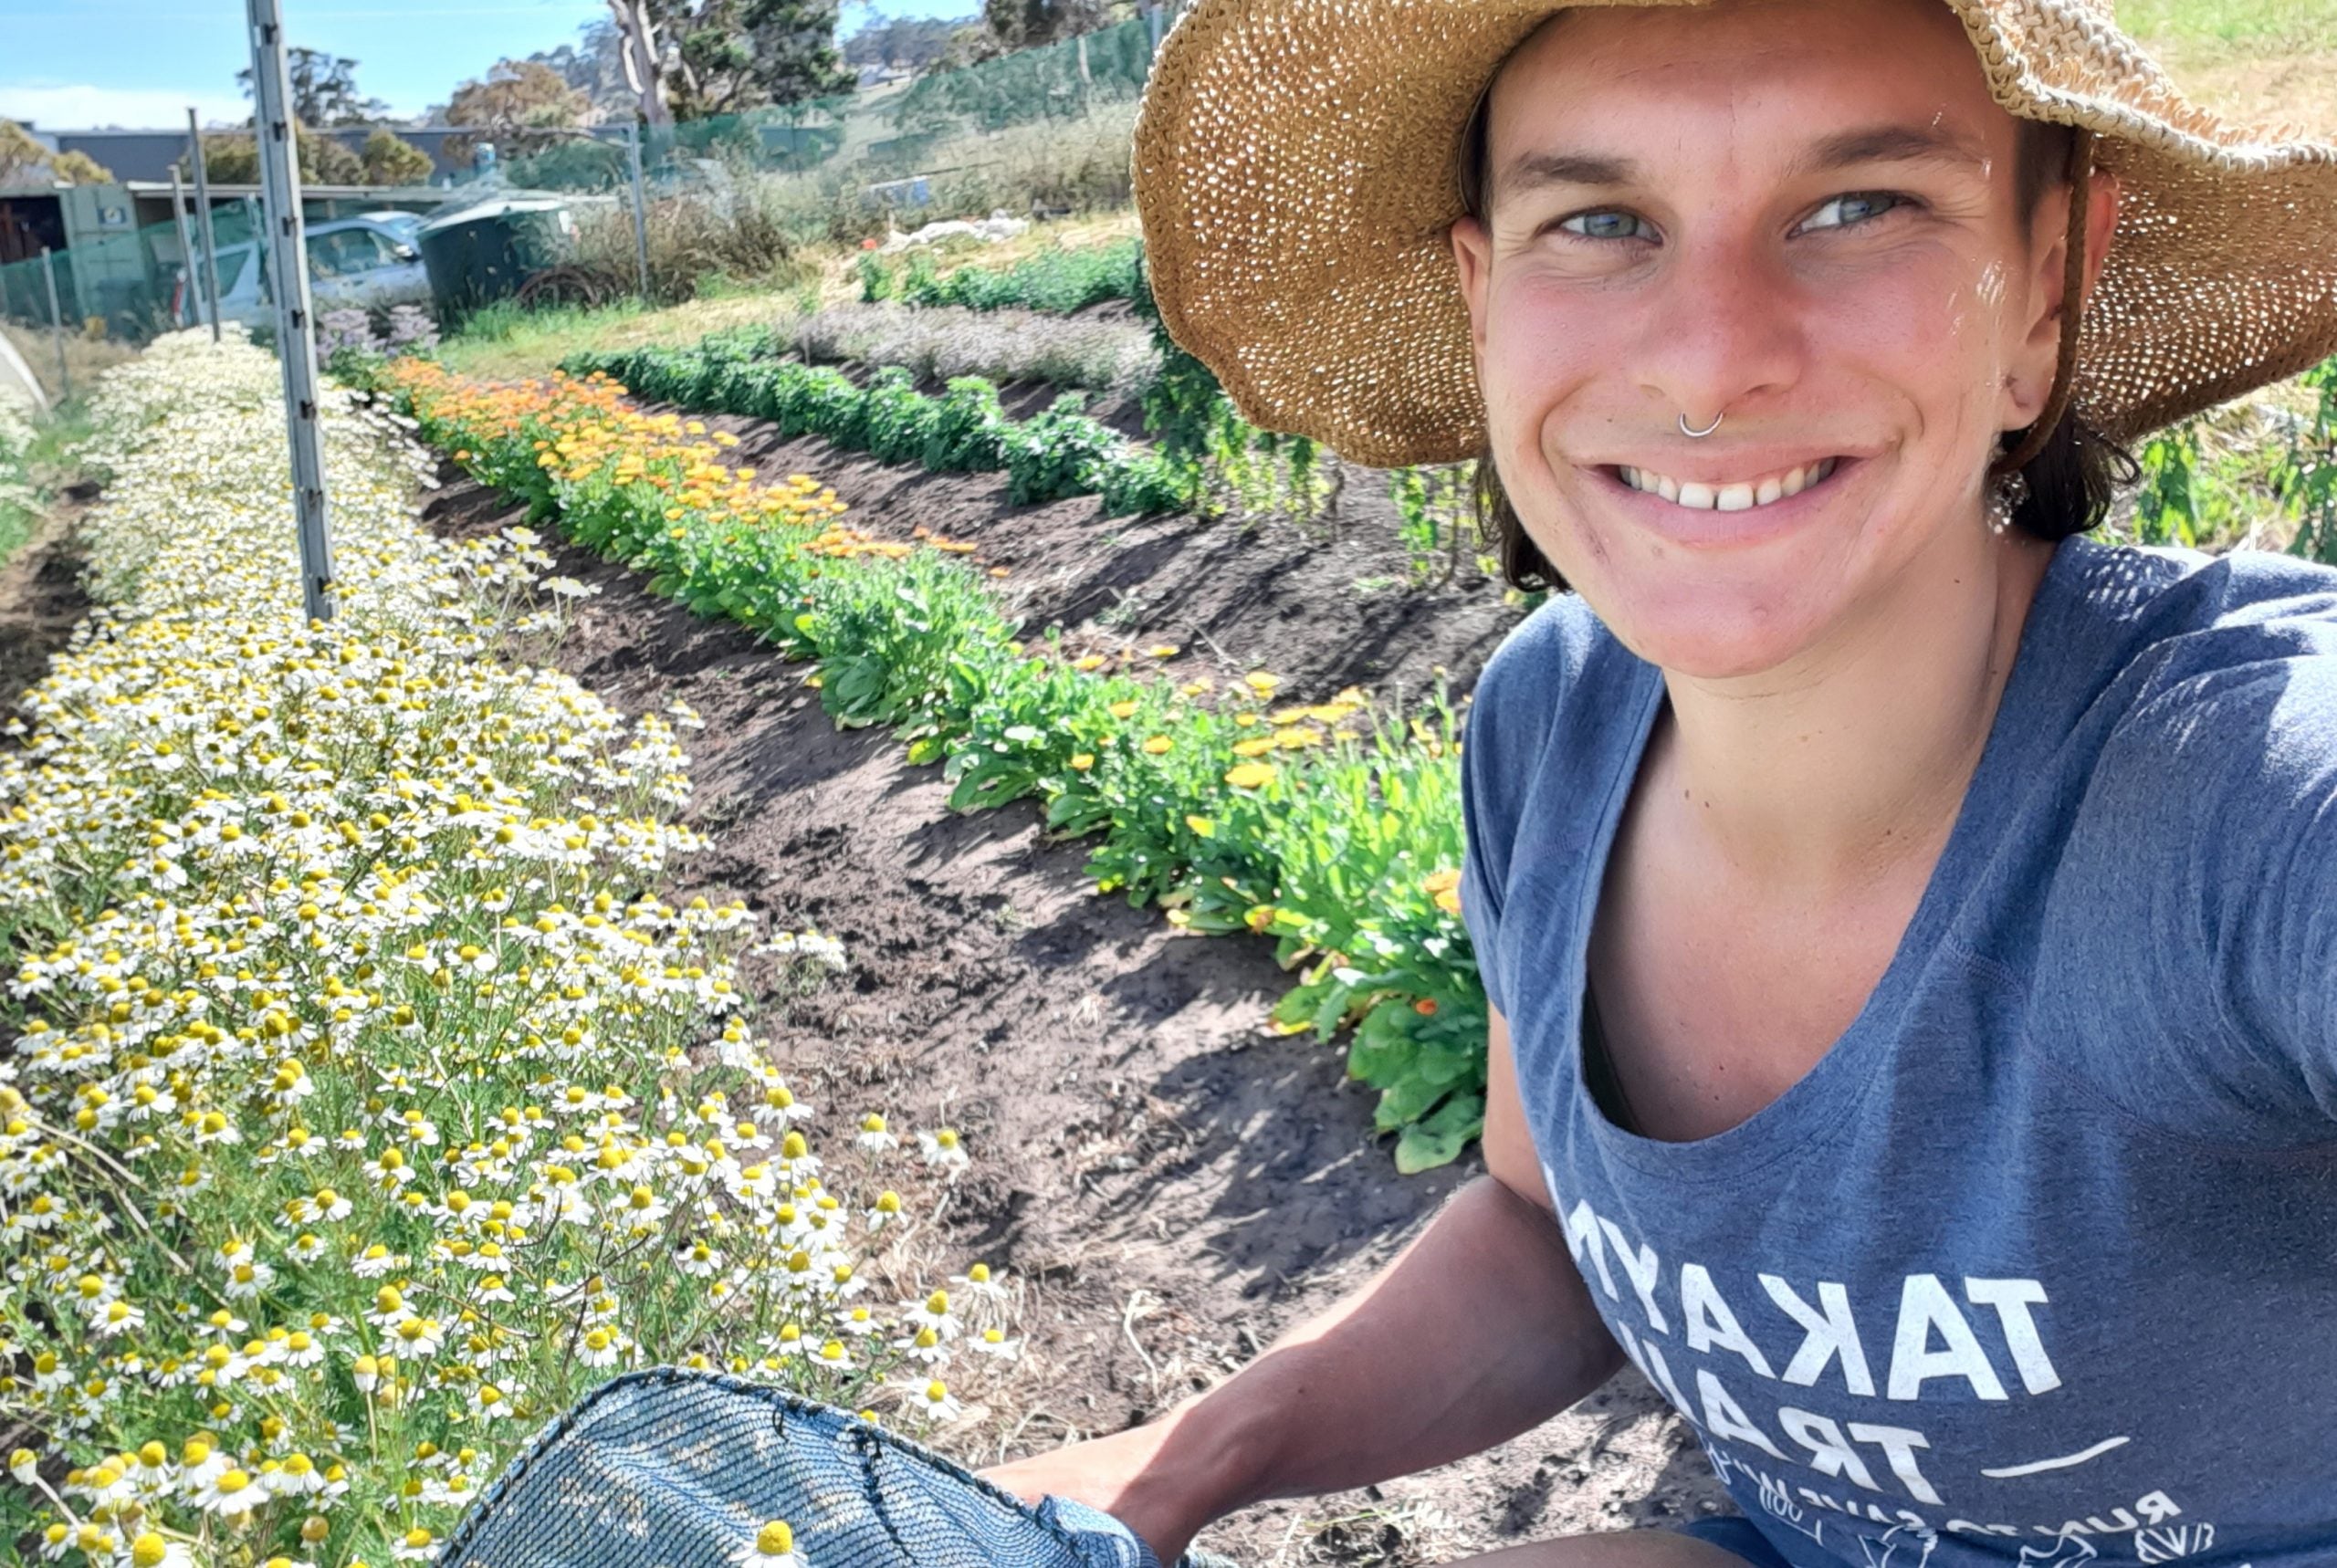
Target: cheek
[1545,345]
[1931,336]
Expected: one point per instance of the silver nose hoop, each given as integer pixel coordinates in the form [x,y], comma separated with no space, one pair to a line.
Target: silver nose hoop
[1700,435]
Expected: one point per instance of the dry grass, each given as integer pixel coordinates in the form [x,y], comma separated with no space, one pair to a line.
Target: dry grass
[84,357]
[2260,60]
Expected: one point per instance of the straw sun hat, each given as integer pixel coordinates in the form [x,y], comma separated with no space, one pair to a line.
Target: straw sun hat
[1296,176]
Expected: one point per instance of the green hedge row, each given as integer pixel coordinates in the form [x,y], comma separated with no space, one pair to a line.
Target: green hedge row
[1057,281]
[1058,454]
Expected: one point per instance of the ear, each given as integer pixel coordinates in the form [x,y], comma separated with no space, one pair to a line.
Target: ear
[2032,383]
[1472,254]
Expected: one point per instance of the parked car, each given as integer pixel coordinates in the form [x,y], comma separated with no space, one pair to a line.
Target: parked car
[368,261]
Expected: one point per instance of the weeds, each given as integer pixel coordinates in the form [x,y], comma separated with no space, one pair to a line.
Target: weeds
[1436,512]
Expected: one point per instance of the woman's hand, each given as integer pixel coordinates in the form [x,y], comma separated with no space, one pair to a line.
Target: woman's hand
[1119,1474]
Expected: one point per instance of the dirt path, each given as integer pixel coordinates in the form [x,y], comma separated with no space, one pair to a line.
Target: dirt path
[1178,1185]
[40,603]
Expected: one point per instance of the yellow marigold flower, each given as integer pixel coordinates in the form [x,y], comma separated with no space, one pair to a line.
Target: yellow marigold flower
[1250,776]
[1080,761]
[1158,745]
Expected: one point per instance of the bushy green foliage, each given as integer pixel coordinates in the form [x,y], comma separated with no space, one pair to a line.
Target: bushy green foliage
[2207,485]
[1060,454]
[1436,514]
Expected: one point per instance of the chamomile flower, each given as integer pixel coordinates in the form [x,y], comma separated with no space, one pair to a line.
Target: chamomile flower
[979,1282]
[934,1401]
[993,1342]
[934,1313]
[772,1546]
[942,1148]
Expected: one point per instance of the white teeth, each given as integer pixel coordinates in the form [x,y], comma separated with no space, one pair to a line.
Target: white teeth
[1742,496]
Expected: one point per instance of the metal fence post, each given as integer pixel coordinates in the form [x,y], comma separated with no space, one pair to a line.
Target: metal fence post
[640,208]
[186,243]
[56,324]
[296,341]
[202,204]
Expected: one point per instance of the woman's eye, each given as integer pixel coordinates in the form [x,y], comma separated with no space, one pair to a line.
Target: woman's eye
[1608,225]
[1857,207]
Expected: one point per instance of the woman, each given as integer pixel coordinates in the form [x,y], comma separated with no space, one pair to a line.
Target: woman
[1912,928]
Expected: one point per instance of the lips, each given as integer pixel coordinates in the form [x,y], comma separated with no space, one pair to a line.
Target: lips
[1745,494]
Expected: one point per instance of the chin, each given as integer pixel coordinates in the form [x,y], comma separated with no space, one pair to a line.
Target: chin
[1708,632]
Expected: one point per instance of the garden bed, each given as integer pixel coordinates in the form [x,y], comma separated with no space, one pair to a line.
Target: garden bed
[1178,1183]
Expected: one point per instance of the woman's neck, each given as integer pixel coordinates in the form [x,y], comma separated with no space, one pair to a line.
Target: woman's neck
[1830,772]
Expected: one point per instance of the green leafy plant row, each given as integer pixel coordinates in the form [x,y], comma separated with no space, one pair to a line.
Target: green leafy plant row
[1332,827]
[2225,476]
[1057,281]
[1058,454]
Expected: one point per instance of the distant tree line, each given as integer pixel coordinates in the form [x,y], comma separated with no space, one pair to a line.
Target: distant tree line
[24,161]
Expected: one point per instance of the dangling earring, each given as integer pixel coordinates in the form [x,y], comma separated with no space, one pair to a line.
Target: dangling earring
[2005,497]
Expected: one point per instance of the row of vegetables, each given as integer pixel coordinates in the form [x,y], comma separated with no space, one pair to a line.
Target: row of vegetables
[1330,825]
[364,1104]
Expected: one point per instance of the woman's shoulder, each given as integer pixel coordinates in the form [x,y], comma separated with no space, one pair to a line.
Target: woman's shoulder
[2195,653]
[1556,664]
[2184,611]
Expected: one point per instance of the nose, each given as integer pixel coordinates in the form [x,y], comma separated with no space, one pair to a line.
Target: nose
[1722,333]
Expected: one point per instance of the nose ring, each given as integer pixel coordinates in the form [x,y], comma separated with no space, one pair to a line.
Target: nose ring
[1700,435]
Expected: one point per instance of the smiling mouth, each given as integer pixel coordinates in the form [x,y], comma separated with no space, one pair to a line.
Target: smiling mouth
[1737,496]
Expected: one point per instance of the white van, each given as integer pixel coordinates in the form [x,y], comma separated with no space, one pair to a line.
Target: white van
[367,261]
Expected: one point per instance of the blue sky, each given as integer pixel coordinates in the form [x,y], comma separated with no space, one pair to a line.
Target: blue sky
[83,64]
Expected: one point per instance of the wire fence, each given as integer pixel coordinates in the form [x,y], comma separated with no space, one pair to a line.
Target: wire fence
[122,285]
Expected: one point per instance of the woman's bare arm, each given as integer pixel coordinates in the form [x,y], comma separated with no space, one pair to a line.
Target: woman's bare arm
[1480,1328]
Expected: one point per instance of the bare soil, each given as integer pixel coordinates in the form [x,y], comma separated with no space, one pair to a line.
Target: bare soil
[40,603]
[1176,1185]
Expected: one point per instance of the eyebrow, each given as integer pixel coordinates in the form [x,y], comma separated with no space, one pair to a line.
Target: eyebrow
[1871,144]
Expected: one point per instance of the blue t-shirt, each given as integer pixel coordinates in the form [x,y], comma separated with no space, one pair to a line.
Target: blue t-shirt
[2039,1263]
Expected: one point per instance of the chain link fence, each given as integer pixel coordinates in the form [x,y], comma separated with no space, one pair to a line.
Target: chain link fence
[1041,131]
[125,286]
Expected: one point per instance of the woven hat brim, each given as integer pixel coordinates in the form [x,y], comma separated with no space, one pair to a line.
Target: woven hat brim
[1294,173]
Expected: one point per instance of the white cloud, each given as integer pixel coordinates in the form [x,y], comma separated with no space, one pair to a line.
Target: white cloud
[58,106]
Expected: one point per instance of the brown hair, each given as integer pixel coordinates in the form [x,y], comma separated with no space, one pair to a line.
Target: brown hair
[2071,481]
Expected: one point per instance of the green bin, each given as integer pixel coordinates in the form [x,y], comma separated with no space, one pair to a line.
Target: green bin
[486,251]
